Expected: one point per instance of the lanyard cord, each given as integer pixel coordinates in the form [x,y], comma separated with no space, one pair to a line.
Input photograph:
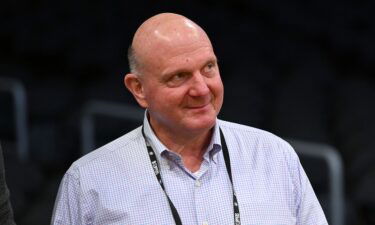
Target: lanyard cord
[236,209]
[155,166]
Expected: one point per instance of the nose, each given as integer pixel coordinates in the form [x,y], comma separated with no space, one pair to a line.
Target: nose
[199,86]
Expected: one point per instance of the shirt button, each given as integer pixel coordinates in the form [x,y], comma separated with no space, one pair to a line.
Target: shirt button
[205,223]
[198,183]
[166,165]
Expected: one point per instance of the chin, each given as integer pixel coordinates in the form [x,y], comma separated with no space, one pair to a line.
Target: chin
[202,124]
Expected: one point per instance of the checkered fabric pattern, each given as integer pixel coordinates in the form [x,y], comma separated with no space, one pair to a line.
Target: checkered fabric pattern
[115,184]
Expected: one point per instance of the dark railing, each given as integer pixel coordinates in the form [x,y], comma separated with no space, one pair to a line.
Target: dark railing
[335,173]
[102,108]
[18,93]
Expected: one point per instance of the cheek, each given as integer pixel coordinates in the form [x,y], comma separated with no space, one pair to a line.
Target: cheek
[218,88]
[218,92]
[168,99]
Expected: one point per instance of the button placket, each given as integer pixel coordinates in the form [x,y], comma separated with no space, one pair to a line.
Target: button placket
[197,183]
[200,194]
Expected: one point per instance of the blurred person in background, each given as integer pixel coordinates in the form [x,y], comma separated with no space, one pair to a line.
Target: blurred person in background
[6,214]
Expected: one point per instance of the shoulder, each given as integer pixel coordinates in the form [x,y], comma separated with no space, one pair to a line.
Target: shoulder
[109,154]
[262,151]
[251,133]
[256,141]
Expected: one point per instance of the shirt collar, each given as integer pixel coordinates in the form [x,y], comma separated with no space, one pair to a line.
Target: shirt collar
[213,148]
[215,145]
[152,139]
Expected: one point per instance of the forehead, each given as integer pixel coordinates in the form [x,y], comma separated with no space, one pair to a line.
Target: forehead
[189,59]
[189,56]
[162,40]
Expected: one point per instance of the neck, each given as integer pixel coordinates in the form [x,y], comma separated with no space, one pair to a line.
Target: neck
[190,146]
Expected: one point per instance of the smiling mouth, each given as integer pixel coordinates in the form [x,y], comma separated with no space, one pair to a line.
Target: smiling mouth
[200,104]
[198,107]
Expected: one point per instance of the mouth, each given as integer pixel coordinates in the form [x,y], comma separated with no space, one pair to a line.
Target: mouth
[202,107]
[197,106]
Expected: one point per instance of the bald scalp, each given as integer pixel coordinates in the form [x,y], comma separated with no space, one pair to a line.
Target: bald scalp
[159,35]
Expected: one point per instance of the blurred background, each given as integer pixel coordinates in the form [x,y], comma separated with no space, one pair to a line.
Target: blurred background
[300,69]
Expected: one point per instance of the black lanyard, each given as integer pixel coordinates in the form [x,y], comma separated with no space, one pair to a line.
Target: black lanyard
[155,166]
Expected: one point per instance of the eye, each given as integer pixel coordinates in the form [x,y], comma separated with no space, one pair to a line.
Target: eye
[177,79]
[209,69]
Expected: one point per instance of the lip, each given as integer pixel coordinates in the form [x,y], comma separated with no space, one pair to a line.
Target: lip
[199,107]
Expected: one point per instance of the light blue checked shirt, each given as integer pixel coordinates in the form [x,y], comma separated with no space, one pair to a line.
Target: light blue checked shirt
[115,184]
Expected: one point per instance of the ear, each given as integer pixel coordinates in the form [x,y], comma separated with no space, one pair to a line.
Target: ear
[134,84]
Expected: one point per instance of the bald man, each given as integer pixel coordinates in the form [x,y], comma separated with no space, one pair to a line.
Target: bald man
[185,166]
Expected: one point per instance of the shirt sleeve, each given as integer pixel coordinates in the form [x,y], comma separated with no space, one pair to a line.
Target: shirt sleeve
[309,210]
[68,208]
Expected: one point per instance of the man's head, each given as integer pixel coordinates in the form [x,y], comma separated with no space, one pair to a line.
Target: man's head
[174,74]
